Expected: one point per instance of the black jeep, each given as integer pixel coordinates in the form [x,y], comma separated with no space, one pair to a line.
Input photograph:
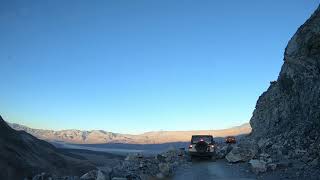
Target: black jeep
[202,145]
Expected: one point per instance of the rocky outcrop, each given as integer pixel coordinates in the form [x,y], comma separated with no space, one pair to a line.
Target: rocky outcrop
[22,155]
[286,120]
[289,111]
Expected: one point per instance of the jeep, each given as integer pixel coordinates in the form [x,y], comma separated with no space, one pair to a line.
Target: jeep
[231,140]
[202,145]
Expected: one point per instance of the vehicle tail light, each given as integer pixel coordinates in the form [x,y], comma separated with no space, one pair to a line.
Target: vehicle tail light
[190,146]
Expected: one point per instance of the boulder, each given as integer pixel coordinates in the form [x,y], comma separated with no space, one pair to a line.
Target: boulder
[171,155]
[95,175]
[234,156]
[272,166]
[42,176]
[315,162]
[222,151]
[264,143]
[242,153]
[165,169]
[258,166]
[160,176]
[265,157]
[160,158]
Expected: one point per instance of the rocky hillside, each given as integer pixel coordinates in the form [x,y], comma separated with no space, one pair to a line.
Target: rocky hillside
[288,113]
[99,136]
[22,155]
[286,120]
[285,138]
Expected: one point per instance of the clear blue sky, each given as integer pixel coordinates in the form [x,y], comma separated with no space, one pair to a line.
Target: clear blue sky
[135,66]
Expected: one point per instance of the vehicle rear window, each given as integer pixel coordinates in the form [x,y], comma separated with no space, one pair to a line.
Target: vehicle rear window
[196,139]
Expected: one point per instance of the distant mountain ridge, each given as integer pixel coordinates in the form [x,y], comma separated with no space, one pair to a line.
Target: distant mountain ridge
[101,137]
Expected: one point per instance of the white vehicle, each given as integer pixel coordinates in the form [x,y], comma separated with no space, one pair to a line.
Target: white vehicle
[202,145]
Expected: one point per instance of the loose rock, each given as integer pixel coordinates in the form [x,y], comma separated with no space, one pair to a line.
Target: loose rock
[258,166]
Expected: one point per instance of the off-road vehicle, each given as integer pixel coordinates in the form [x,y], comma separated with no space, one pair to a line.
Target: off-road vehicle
[231,140]
[202,145]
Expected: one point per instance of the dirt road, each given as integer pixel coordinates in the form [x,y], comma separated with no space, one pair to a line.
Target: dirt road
[215,170]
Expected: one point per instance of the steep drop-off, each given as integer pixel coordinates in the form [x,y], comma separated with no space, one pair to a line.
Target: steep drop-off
[22,155]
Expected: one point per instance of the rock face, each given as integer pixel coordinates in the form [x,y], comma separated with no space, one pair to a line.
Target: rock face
[286,120]
[22,155]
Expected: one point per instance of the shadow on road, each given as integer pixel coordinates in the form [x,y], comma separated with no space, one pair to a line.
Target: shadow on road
[206,169]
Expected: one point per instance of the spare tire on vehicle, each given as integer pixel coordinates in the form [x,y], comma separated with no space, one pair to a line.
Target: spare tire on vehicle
[201,146]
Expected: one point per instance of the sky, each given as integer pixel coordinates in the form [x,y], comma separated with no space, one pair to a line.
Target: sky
[135,66]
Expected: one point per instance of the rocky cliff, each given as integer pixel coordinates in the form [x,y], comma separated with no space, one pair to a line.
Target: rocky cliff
[22,155]
[286,120]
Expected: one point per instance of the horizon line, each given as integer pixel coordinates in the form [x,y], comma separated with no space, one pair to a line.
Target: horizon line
[45,129]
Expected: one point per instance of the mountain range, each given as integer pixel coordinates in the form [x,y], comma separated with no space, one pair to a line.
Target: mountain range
[102,137]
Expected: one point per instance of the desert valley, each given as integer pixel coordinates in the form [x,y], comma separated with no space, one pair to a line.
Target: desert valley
[280,141]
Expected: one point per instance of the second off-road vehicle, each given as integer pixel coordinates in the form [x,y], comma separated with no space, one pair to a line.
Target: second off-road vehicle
[202,145]
[231,140]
